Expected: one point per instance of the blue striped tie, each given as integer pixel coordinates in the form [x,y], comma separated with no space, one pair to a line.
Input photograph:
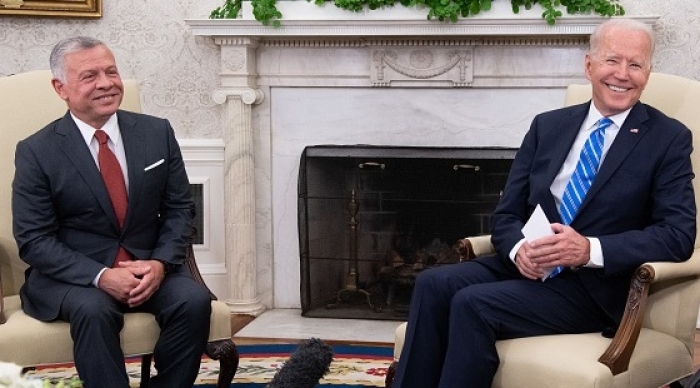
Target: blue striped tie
[582,178]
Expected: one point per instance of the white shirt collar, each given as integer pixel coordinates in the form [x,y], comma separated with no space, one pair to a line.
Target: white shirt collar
[594,116]
[111,127]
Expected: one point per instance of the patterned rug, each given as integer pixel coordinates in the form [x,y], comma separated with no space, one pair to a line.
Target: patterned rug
[352,366]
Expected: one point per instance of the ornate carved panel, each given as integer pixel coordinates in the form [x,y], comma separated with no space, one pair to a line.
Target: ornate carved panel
[422,66]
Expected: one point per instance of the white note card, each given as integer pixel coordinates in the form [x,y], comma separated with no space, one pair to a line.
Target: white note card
[536,227]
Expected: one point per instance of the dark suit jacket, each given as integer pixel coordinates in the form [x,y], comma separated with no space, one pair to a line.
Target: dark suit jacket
[63,219]
[641,205]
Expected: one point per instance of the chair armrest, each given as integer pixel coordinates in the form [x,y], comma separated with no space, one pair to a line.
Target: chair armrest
[664,271]
[617,355]
[473,247]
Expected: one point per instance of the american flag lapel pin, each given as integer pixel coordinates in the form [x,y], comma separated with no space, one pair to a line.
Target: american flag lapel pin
[634,130]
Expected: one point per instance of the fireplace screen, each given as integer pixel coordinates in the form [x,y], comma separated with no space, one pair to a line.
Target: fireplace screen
[371,218]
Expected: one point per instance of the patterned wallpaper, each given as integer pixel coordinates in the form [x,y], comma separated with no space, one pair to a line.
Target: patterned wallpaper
[178,71]
[152,44]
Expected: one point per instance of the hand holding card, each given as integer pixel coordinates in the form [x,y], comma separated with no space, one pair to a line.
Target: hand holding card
[536,227]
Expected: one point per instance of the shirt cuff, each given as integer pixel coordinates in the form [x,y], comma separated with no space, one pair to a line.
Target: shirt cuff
[96,282]
[596,260]
[513,252]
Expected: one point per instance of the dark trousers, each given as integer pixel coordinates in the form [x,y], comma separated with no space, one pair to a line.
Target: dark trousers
[182,309]
[459,311]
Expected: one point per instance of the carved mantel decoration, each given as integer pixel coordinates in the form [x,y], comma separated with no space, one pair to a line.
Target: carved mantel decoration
[436,66]
[318,47]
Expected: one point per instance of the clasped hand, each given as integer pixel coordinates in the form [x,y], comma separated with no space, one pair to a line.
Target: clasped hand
[133,282]
[565,248]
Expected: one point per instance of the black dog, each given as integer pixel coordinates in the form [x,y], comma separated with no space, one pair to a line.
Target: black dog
[305,367]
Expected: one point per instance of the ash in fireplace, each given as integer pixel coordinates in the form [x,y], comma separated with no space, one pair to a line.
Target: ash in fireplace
[399,272]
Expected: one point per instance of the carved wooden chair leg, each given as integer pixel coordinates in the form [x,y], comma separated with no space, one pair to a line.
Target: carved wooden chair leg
[226,352]
[145,370]
[389,379]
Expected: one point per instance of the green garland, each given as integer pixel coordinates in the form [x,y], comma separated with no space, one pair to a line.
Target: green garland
[266,12]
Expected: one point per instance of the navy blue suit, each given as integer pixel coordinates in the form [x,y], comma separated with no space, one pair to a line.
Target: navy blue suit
[641,207]
[66,230]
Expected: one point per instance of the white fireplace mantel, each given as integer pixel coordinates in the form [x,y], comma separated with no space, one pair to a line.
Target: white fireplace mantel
[386,76]
[305,19]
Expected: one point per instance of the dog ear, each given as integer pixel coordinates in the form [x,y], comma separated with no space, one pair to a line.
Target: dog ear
[305,367]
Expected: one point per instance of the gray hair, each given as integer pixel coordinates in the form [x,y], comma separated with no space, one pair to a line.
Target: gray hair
[57,60]
[624,23]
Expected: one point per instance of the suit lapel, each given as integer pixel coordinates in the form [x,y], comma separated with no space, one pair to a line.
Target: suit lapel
[559,142]
[73,146]
[135,151]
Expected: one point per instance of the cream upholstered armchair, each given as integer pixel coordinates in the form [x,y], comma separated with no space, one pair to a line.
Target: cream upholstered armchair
[655,341]
[28,103]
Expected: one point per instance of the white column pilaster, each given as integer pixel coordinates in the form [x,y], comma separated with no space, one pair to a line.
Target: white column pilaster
[238,93]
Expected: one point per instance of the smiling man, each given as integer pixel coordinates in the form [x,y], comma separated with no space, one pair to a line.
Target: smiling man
[614,178]
[618,65]
[102,214]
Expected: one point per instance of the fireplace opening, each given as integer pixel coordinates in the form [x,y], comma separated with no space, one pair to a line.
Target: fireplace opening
[372,217]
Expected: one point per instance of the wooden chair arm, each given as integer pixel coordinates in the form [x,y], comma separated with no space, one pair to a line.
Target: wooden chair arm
[617,355]
[473,247]
[192,265]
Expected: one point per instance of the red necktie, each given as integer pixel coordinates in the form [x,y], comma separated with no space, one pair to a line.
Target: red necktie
[114,180]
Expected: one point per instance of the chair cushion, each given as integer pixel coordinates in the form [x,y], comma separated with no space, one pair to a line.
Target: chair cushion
[220,326]
[51,343]
[571,361]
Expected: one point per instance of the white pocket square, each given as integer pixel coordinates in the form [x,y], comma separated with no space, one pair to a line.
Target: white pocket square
[154,165]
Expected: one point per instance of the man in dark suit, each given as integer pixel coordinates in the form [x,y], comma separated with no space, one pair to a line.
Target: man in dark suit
[70,227]
[640,207]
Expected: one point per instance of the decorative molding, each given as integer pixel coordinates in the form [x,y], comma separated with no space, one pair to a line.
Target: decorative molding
[333,42]
[233,61]
[236,41]
[424,28]
[421,67]
[247,95]
[202,151]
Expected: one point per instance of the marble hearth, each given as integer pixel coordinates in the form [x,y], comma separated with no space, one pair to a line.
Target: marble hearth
[382,78]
